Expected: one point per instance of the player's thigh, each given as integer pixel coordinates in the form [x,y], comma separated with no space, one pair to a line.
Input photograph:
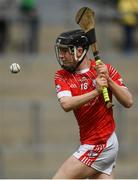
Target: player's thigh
[101,175]
[72,168]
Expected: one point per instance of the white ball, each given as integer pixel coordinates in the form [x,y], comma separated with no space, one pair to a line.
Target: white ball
[15,68]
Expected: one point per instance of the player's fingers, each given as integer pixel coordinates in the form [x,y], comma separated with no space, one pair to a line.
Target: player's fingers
[102,75]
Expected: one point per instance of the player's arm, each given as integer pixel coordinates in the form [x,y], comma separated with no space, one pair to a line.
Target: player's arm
[121,93]
[69,103]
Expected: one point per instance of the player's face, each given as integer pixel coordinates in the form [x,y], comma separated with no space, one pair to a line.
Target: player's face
[66,56]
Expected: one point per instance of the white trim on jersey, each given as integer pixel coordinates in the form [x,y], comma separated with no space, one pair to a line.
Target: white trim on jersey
[83,71]
[63,94]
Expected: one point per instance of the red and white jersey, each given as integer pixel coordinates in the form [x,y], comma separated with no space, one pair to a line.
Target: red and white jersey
[96,122]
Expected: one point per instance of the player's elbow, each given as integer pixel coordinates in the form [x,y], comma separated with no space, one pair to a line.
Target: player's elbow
[65,104]
[129,103]
[65,107]
[127,99]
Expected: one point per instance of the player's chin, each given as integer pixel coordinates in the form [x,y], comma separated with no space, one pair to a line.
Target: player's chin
[68,66]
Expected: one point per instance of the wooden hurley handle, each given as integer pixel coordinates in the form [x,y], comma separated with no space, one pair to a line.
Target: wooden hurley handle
[85,19]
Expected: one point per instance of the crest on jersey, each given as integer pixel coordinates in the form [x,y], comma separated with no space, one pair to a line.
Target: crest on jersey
[94,83]
[58,88]
[82,79]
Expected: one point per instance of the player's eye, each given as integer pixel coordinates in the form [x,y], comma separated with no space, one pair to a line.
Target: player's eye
[63,49]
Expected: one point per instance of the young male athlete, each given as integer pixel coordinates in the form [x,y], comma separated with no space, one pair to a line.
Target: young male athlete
[79,87]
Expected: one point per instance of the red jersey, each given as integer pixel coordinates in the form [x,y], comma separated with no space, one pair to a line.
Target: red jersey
[96,122]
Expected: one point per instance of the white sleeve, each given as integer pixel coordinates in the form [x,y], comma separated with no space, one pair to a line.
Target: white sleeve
[63,94]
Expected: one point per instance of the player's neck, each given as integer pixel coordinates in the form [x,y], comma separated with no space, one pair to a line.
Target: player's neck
[84,65]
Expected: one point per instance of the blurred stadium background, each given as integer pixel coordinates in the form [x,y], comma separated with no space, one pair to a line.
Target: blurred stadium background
[36,136]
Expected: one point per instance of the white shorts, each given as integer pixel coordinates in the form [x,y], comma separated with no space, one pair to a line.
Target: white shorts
[100,157]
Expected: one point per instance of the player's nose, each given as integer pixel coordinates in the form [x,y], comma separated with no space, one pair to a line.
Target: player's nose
[62,56]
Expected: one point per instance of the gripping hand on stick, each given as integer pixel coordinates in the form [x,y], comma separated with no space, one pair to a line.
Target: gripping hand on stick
[85,19]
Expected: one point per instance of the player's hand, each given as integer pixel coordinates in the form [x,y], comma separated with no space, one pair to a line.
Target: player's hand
[101,82]
[102,70]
